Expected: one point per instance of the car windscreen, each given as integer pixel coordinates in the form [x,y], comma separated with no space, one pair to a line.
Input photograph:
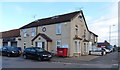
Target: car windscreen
[40,50]
[12,48]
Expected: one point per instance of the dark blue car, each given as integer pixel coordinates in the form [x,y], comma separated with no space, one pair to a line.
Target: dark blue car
[10,51]
[37,53]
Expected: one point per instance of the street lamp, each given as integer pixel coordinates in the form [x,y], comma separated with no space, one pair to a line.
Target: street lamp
[110,33]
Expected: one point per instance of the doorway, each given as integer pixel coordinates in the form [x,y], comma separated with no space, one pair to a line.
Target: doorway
[40,44]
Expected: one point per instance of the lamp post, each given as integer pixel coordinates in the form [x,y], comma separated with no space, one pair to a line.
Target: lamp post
[110,33]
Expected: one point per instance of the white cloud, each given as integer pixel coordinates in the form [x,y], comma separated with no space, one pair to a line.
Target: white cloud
[101,26]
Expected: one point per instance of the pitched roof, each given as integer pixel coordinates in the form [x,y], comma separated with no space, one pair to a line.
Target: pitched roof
[55,20]
[52,20]
[93,33]
[11,33]
[44,36]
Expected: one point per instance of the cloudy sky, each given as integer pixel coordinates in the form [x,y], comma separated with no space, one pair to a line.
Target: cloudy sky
[100,16]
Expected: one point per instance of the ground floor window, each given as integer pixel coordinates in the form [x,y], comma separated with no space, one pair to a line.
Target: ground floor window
[77,47]
[58,43]
[84,47]
[5,43]
[24,44]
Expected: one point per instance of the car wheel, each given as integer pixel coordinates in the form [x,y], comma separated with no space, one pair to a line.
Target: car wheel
[39,59]
[25,56]
[103,53]
[8,55]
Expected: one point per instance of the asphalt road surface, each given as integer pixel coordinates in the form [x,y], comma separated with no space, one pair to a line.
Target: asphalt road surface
[111,60]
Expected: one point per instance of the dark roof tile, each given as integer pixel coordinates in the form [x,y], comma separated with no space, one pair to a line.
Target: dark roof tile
[51,20]
[11,33]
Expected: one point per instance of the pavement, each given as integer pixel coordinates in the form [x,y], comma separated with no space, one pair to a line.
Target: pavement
[110,58]
[81,59]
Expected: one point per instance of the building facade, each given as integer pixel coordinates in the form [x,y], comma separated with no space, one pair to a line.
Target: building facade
[61,31]
[10,38]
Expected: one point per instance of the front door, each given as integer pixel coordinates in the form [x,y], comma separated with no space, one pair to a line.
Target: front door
[40,44]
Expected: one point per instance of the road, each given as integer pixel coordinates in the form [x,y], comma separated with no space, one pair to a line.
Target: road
[108,61]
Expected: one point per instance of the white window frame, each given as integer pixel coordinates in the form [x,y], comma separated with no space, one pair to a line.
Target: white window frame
[77,48]
[58,45]
[25,32]
[75,43]
[32,32]
[58,28]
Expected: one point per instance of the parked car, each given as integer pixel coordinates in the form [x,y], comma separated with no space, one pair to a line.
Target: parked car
[10,51]
[97,52]
[107,50]
[118,49]
[37,53]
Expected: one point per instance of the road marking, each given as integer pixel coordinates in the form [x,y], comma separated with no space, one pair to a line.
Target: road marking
[115,64]
[67,63]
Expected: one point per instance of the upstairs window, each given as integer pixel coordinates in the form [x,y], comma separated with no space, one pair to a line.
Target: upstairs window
[58,28]
[32,31]
[76,29]
[25,33]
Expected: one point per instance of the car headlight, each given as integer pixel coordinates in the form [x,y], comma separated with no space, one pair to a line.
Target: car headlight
[44,55]
[13,52]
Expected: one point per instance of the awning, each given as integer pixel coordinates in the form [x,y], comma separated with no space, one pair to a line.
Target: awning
[77,38]
[85,40]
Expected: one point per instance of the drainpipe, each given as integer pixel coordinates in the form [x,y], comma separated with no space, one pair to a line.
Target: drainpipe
[36,30]
[32,44]
[47,45]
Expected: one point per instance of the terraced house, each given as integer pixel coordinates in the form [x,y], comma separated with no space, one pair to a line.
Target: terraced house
[67,30]
[62,31]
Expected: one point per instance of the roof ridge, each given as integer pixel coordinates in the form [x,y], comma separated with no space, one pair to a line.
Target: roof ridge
[52,20]
[59,15]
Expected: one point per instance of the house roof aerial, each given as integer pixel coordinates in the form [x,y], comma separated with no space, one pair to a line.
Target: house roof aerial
[10,34]
[52,20]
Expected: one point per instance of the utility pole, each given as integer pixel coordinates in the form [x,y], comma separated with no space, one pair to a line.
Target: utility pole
[110,33]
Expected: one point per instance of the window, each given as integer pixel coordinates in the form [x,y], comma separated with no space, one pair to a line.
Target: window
[4,48]
[89,36]
[95,39]
[84,47]
[25,33]
[92,36]
[28,49]
[24,44]
[44,29]
[32,31]
[58,43]
[76,29]
[77,47]
[58,28]
[32,50]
